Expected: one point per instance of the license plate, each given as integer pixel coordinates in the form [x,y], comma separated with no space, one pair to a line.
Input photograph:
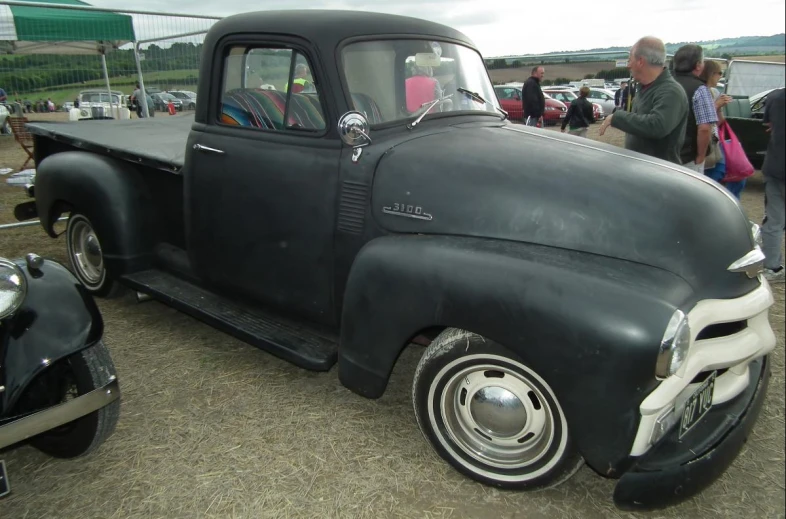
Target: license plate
[698,404]
[562,116]
[5,486]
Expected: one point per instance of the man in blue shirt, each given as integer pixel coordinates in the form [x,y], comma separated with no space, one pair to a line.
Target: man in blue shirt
[3,96]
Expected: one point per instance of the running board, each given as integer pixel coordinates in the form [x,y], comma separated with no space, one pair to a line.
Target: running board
[298,343]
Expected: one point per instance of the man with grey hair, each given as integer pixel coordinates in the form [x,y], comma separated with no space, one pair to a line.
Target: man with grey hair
[688,63]
[655,125]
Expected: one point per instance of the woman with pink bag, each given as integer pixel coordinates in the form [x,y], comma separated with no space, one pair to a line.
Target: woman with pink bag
[710,75]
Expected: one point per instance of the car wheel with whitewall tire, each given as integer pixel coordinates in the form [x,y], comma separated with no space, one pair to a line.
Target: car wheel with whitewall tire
[87,258]
[490,415]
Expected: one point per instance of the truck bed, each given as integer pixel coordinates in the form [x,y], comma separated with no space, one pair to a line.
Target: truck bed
[158,142]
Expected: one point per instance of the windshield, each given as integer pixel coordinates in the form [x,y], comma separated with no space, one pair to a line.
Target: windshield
[99,98]
[393,80]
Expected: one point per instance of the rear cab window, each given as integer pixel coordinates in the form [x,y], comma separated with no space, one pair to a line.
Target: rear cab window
[268,88]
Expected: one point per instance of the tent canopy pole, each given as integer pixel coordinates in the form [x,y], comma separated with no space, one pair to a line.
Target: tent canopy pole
[145,108]
[108,87]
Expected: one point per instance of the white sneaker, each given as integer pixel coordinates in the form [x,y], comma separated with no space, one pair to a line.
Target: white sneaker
[775,276]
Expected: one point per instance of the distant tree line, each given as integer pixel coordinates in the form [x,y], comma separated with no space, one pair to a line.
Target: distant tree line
[29,73]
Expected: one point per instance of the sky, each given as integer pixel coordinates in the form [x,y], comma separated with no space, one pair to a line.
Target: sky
[527,27]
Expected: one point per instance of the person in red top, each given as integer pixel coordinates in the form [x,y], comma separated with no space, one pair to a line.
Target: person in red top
[421,88]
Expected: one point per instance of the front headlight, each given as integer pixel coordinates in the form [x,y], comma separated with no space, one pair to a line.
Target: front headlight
[756,233]
[13,288]
[674,346]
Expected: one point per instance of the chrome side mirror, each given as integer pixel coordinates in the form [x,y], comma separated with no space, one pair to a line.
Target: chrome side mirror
[353,129]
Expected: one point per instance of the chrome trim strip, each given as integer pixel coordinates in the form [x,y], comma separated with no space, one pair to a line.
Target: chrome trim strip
[752,264]
[61,414]
[199,147]
[680,169]
[424,216]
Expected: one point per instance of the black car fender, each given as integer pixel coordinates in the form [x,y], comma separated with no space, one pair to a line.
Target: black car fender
[57,318]
[109,192]
[591,326]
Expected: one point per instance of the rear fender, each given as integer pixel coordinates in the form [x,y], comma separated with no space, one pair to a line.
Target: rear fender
[57,318]
[589,325]
[110,193]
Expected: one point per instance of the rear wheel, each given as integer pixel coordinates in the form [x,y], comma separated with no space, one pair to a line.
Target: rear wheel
[75,376]
[87,257]
[491,416]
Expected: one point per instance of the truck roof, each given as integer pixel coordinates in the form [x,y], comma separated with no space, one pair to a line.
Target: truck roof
[326,28]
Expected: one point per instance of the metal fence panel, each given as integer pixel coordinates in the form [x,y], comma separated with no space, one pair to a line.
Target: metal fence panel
[51,52]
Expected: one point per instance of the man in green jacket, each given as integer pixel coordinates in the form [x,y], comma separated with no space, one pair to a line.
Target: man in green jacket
[656,124]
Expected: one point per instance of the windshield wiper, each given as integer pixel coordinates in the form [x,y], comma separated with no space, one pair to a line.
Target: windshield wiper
[426,107]
[476,97]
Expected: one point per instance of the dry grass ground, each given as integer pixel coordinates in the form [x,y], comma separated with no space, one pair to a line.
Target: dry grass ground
[212,427]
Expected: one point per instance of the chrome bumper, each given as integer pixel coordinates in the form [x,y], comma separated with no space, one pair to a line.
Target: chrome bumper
[61,414]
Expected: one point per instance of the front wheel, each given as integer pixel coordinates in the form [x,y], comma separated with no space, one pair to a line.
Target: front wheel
[75,376]
[491,416]
[87,257]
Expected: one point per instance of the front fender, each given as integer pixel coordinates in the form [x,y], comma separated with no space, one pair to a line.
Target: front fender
[589,325]
[110,193]
[58,318]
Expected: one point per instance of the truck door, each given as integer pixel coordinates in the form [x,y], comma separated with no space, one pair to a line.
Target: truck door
[261,181]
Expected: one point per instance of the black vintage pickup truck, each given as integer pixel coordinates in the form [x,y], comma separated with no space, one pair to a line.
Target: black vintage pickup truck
[349,185]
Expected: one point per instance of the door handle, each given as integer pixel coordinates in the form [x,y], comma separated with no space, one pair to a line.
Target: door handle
[199,147]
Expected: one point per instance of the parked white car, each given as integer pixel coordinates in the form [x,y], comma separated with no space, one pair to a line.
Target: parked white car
[4,128]
[96,98]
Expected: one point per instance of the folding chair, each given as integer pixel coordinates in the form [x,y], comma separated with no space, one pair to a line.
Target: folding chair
[22,136]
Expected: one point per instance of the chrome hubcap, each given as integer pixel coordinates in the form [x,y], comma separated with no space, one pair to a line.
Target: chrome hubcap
[498,411]
[497,416]
[88,257]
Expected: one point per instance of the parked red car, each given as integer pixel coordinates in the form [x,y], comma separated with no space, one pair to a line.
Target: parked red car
[509,96]
[567,96]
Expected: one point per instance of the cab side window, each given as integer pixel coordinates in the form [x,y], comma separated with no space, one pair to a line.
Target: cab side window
[270,89]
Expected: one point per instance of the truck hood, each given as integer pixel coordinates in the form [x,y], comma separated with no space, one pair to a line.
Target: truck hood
[532,186]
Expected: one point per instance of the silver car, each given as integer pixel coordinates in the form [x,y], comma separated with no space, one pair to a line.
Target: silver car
[603,97]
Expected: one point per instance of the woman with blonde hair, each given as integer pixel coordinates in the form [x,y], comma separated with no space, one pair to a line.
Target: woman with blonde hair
[711,75]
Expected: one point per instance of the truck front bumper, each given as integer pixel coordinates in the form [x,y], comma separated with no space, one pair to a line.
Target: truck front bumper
[675,470]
